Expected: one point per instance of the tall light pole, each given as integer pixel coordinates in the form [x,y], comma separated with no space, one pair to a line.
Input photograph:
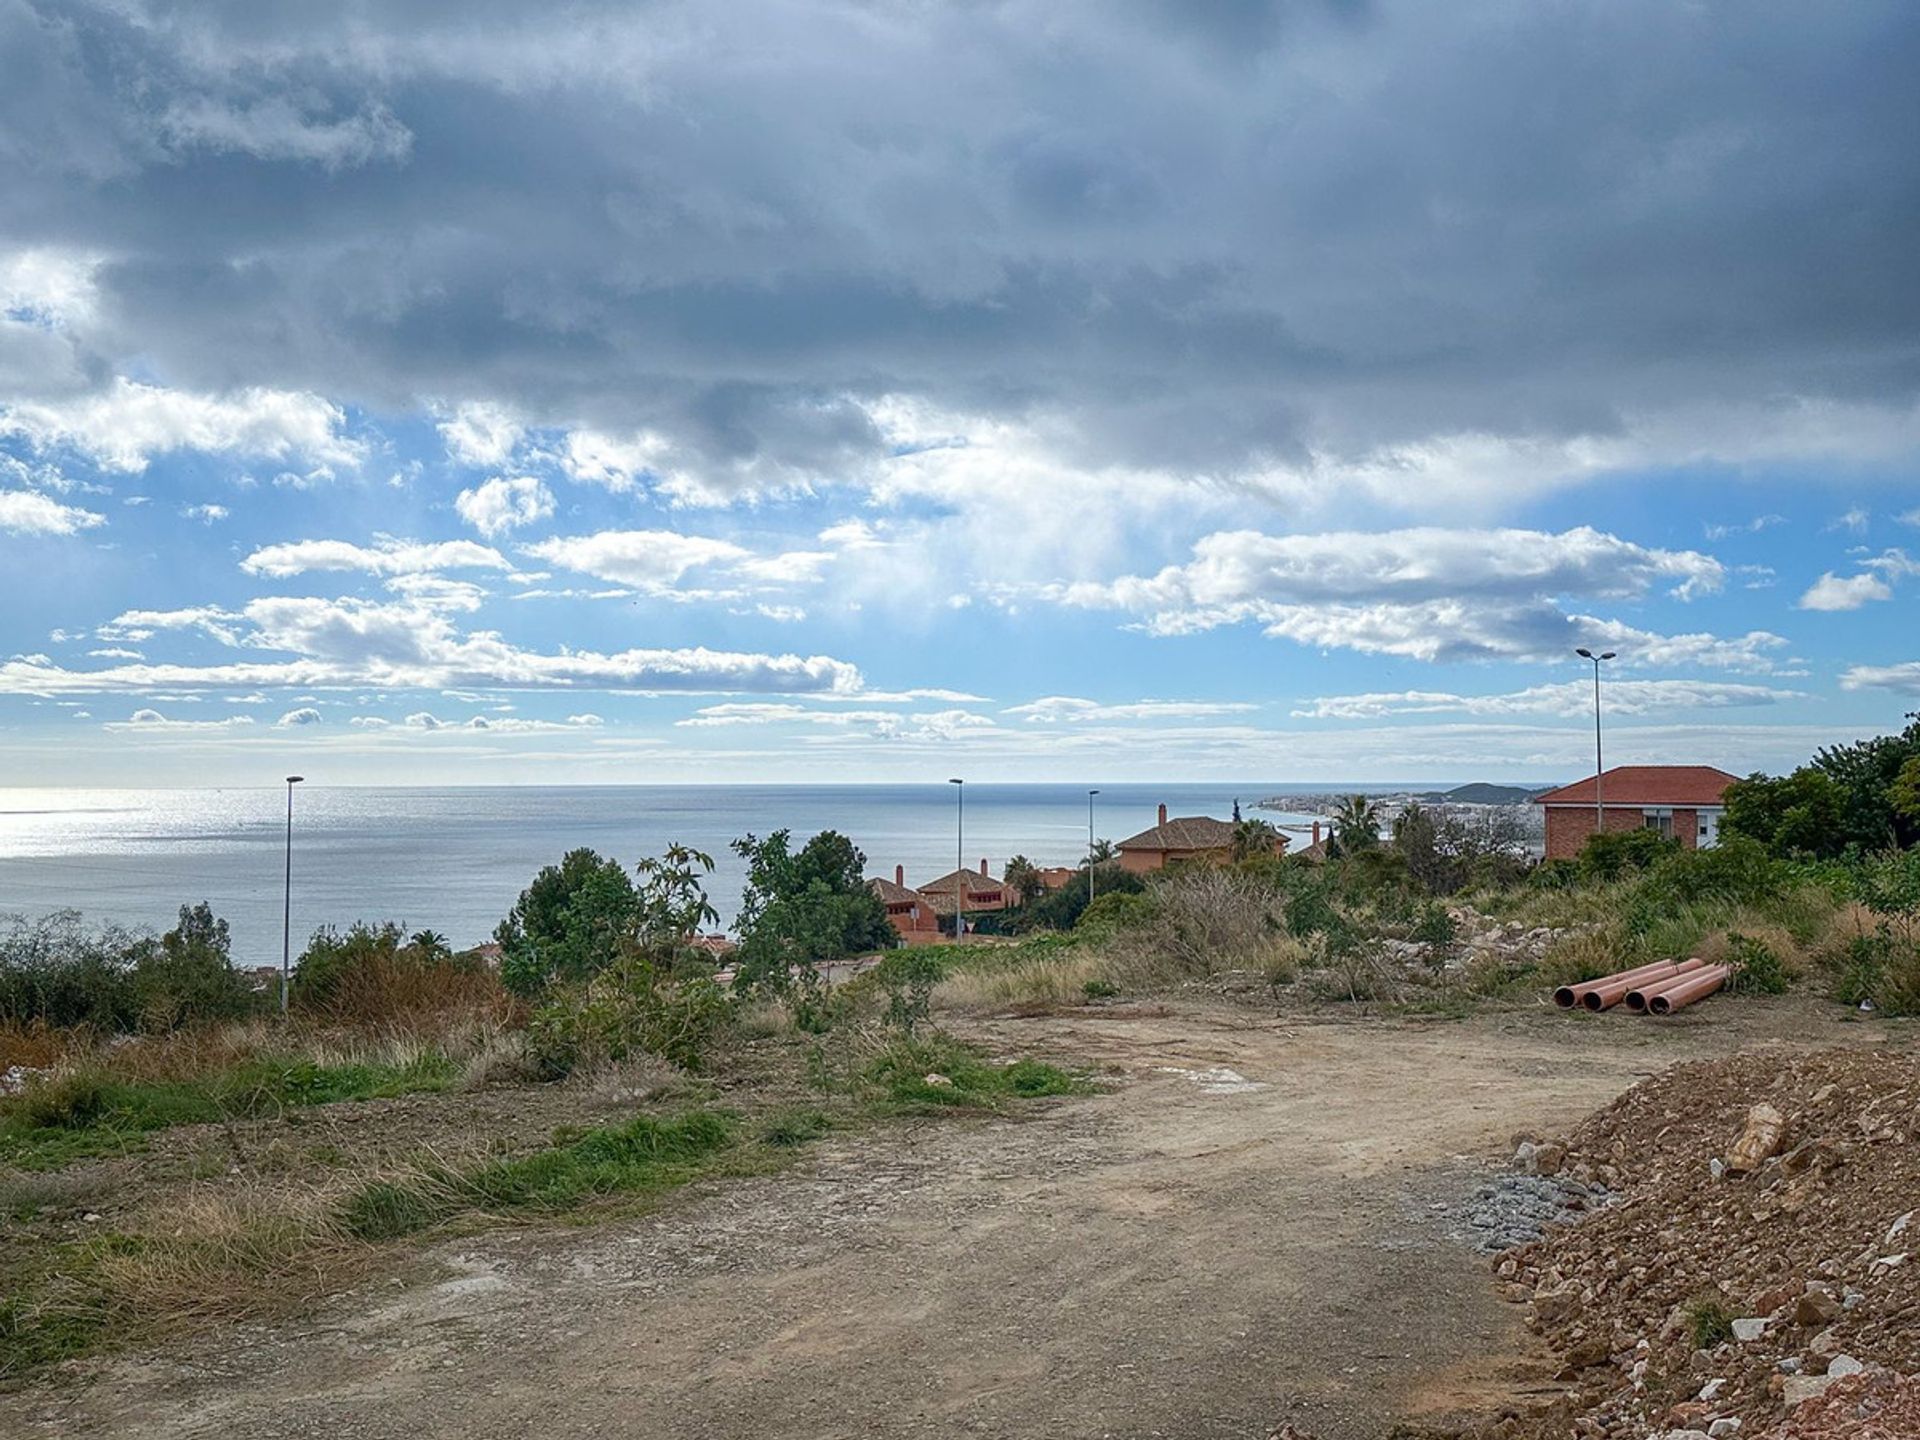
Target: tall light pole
[1090,795]
[959,855]
[286,918]
[1599,810]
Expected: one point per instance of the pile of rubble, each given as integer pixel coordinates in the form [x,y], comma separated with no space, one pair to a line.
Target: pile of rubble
[1481,940]
[1759,1272]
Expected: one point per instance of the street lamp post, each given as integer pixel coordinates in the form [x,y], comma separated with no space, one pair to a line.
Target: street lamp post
[959,855]
[1090,795]
[286,918]
[1599,809]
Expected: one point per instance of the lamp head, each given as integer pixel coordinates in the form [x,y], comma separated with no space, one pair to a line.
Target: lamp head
[295,779]
[1584,653]
[956,782]
[1092,793]
[1610,655]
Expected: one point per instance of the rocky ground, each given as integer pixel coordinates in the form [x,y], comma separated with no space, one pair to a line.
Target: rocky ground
[1761,1248]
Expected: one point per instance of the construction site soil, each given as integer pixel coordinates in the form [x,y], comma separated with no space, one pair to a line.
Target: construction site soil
[1258,1222]
[1760,1246]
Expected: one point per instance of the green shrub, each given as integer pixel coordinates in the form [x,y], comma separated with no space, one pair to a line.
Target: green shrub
[383,1210]
[1757,966]
[56,971]
[789,1128]
[62,1102]
[1115,911]
[908,977]
[901,1073]
[644,1154]
[1708,1322]
[629,1008]
[1099,988]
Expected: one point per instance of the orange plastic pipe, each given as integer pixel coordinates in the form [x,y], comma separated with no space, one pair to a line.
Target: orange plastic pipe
[1641,996]
[1694,987]
[1605,994]
[1568,996]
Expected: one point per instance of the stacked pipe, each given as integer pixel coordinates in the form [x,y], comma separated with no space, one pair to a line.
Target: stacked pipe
[1656,989]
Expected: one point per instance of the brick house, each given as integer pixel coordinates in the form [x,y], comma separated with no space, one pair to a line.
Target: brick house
[1684,801]
[912,914]
[1189,839]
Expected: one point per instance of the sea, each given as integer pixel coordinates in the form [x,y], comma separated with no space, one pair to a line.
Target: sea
[455,859]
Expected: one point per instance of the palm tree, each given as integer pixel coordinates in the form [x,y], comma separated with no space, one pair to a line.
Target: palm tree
[1251,838]
[1102,853]
[1022,877]
[1356,824]
[430,945]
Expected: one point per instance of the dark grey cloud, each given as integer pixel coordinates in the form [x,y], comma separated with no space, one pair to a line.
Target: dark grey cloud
[1202,237]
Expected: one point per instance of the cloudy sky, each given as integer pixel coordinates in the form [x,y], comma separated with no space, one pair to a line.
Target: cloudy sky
[1021,388]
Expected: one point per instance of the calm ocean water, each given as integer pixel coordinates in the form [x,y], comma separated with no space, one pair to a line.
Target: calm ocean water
[455,859]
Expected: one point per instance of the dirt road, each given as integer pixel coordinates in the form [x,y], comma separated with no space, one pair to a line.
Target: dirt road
[1235,1233]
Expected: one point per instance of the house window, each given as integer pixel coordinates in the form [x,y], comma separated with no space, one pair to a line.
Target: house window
[1658,820]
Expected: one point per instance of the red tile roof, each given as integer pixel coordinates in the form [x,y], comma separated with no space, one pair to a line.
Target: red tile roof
[1188,832]
[1681,785]
[893,893]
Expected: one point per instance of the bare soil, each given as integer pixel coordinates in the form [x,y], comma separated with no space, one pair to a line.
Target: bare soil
[1237,1232]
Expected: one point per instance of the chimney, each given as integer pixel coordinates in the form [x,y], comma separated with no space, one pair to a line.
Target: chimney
[983,864]
[1316,832]
[900,876]
[1163,814]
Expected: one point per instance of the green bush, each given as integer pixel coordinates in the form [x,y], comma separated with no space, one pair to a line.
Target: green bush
[1757,967]
[1615,854]
[1708,1322]
[630,1008]
[908,977]
[901,1074]
[1115,911]
[383,1210]
[56,971]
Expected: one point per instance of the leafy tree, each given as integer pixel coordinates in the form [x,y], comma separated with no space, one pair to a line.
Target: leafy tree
[1905,791]
[1104,852]
[190,976]
[673,904]
[569,924]
[1060,909]
[1022,877]
[1252,838]
[1797,814]
[803,907]
[1356,825]
[1860,797]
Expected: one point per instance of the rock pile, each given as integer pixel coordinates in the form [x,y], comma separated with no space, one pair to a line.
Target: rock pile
[1762,1259]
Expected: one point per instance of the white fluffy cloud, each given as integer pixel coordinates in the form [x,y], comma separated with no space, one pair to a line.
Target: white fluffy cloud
[1068,709]
[386,556]
[1873,582]
[504,504]
[1572,698]
[479,435]
[126,424]
[410,644]
[1901,679]
[1429,594]
[295,719]
[1834,592]
[651,560]
[27,512]
[426,722]
[153,720]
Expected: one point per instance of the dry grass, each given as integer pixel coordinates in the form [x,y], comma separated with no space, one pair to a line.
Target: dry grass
[396,994]
[1054,980]
[36,1046]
